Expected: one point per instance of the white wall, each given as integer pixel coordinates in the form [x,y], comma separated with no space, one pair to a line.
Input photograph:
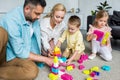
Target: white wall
[85,6]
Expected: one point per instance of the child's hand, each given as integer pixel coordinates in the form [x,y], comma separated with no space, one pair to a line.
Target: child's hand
[68,61]
[93,36]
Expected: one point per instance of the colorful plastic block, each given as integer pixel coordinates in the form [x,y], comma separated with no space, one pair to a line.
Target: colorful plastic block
[66,77]
[106,68]
[95,68]
[106,36]
[99,34]
[89,78]
[69,68]
[86,71]
[53,76]
[81,67]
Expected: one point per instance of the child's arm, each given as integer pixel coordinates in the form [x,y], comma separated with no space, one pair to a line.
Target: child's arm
[91,36]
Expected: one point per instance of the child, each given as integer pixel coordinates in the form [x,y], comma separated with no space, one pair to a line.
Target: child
[75,45]
[101,27]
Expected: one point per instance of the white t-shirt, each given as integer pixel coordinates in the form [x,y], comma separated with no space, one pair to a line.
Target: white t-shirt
[48,33]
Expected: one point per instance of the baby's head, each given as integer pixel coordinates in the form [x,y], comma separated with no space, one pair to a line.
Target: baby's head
[74,23]
[101,19]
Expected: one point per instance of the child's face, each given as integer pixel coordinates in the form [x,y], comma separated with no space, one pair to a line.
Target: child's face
[72,28]
[102,22]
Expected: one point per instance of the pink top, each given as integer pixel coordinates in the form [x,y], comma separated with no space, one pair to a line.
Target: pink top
[103,29]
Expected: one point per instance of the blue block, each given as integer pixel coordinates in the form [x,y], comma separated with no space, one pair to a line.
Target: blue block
[54,70]
[41,65]
[106,68]
[64,59]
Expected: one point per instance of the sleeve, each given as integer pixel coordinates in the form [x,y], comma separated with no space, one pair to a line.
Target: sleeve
[16,41]
[80,44]
[91,29]
[63,37]
[109,30]
[44,35]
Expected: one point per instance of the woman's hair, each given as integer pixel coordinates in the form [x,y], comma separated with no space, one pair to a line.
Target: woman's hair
[75,20]
[35,2]
[100,14]
[57,7]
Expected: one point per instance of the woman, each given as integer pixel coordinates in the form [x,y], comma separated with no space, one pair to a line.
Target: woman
[52,26]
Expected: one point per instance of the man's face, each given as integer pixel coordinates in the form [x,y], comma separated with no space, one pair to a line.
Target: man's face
[33,13]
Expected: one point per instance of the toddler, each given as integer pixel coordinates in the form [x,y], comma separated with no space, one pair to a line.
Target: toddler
[75,44]
[99,34]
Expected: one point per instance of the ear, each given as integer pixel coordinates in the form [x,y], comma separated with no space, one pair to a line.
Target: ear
[27,8]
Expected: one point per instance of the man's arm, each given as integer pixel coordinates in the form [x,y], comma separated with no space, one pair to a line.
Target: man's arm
[39,58]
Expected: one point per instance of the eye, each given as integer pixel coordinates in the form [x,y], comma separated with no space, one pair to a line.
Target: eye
[59,17]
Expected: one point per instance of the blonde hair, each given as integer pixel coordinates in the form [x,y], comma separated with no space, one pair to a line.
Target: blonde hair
[75,20]
[57,7]
[100,14]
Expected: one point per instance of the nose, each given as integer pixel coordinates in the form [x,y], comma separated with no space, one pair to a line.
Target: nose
[60,19]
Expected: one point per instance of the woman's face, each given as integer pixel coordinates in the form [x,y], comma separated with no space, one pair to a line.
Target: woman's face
[58,17]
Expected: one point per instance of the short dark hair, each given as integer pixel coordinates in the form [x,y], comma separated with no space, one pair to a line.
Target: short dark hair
[35,2]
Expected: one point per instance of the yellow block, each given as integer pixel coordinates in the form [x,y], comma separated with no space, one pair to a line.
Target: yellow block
[69,68]
[56,49]
[106,36]
[86,71]
[53,76]
[55,59]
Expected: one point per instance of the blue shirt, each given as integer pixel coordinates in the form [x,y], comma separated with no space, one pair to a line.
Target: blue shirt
[20,42]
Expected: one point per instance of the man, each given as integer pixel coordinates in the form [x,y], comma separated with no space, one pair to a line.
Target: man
[24,45]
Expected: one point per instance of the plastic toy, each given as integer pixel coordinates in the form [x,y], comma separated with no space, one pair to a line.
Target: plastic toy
[57,52]
[53,76]
[95,68]
[86,71]
[70,67]
[105,68]
[41,65]
[89,78]
[81,67]
[106,36]
[66,77]
[99,34]
[82,58]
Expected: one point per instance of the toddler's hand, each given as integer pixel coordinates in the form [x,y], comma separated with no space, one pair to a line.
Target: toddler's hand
[68,61]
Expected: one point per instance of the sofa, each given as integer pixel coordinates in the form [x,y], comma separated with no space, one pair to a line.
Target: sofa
[113,22]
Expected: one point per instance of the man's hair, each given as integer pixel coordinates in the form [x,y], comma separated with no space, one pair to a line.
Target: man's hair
[35,2]
[75,20]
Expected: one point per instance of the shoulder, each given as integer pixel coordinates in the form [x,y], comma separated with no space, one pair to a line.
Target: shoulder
[44,23]
[107,28]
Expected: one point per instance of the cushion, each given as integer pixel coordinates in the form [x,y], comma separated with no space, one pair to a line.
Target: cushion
[115,19]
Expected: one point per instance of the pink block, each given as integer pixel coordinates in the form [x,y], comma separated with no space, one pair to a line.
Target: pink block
[99,34]
[92,74]
[80,61]
[81,67]
[66,77]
